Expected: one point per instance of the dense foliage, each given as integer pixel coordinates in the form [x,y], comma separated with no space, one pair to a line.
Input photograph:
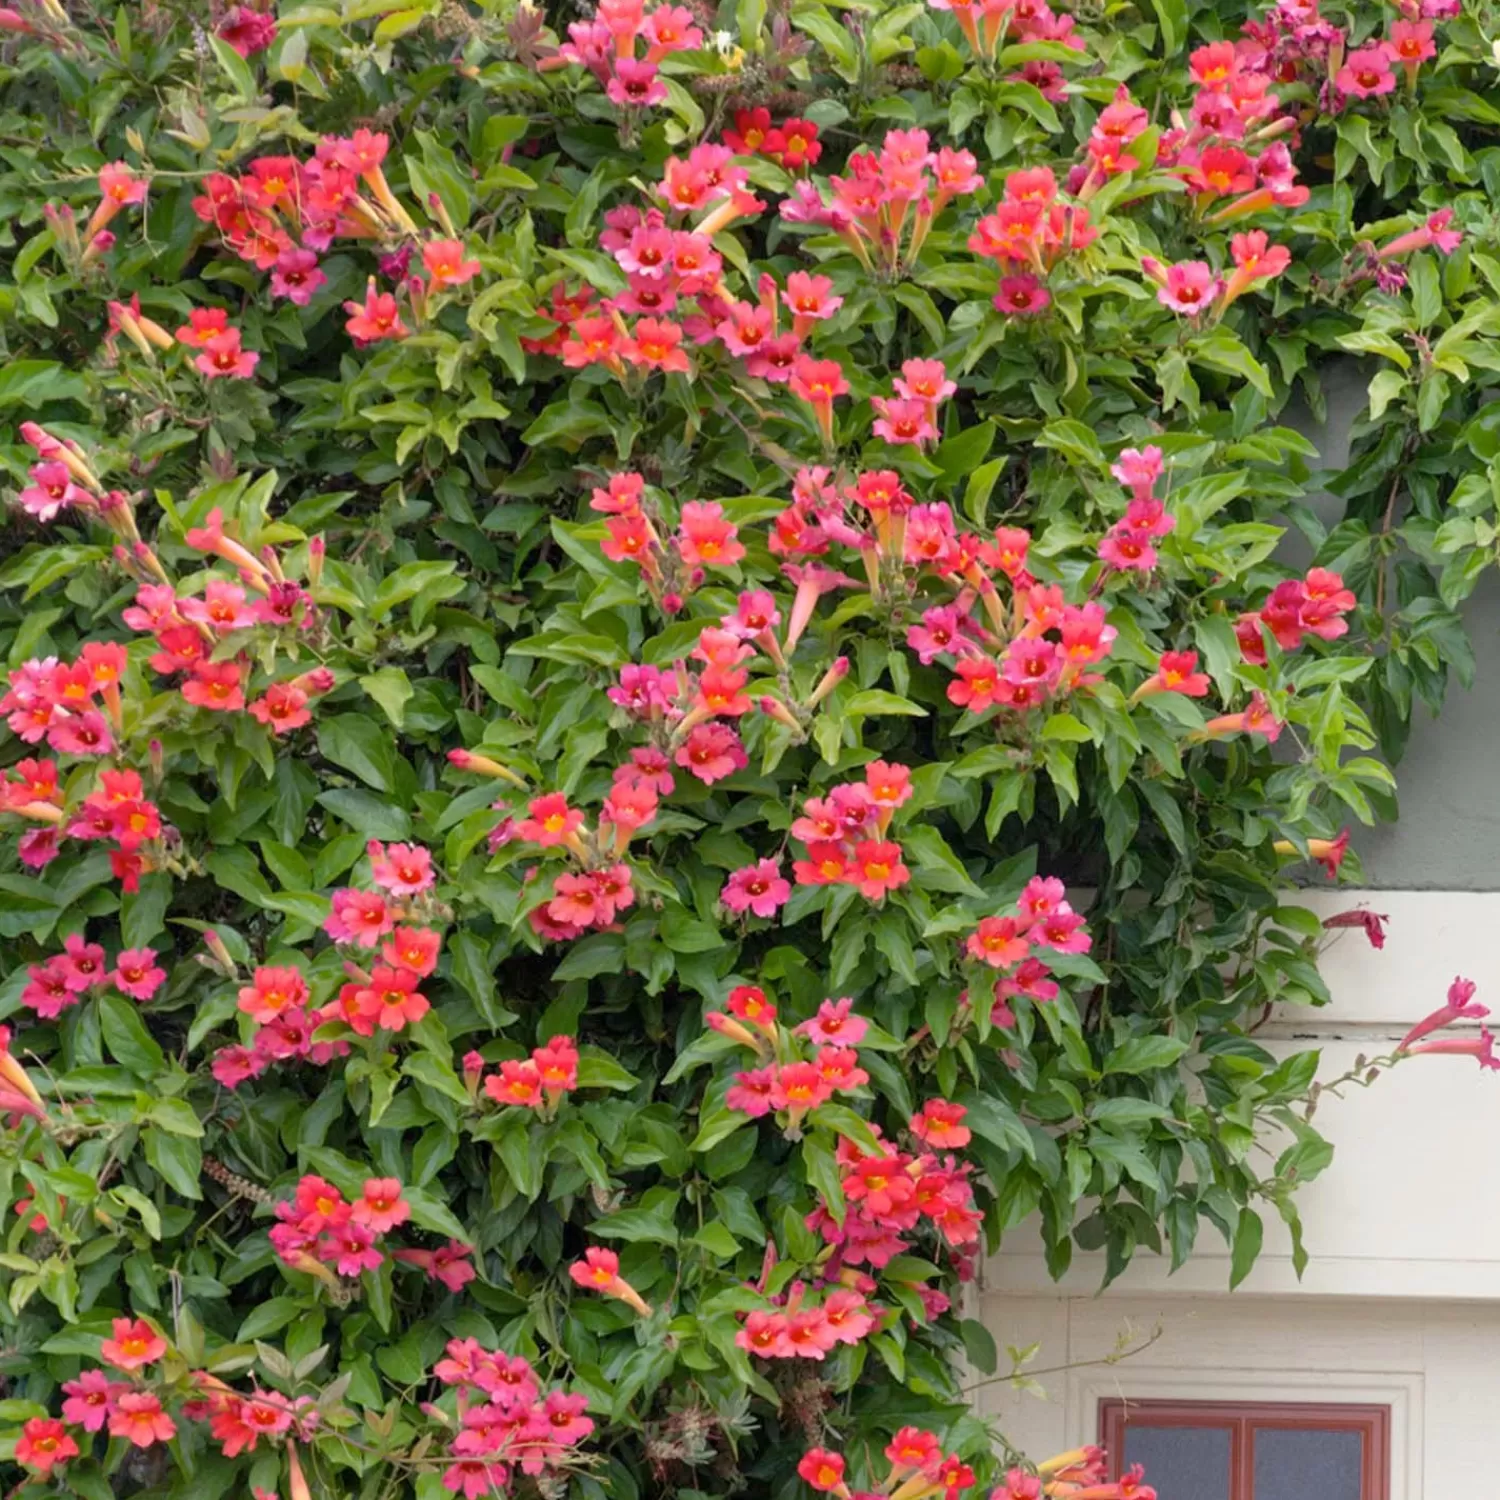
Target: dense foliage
[654,690]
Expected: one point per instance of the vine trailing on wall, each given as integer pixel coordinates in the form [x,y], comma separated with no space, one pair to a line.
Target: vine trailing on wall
[651,694]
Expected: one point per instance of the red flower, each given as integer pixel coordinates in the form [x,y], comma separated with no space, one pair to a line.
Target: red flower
[751,126]
[824,1471]
[223,356]
[712,752]
[377,318]
[550,821]
[382,1206]
[654,344]
[218,685]
[759,888]
[915,1450]
[139,1419]
[977,684]
[445,263]
[706,539]
[794,144]
[282,708]
[940,1124]
[999,942]
[133,1344]
[44,1442]
[878,868]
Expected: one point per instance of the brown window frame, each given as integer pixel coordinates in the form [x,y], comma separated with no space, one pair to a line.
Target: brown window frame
[1241,1419]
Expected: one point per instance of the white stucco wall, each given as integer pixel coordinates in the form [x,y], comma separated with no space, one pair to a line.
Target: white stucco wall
[1401,1301]
[1436,1364]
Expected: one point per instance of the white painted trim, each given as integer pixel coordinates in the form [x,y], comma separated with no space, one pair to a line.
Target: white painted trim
[1024,1273]
[1403,1393]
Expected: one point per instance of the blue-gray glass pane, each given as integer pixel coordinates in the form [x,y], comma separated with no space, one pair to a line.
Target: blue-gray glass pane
[1182,1463]
[1306,1465]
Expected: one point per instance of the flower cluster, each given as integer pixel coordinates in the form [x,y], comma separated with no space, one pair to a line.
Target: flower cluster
[787,1084]
[1129,543]
[1193,289]
[1231,146]
[1047,657]
[794,1327]
[793,144]
[95,1402]
[1029,232]
[1459,1006]
[207,330]
[56,701]
[888,1192]
[504,1421]
[1296,608]
[277,1001]
[846,833]
[599,887]
[672,562]
[316,1228]
[280,214]
[62,478]
[607,45]
[384,998]
[192,633]
[918,1466]
[985,24]
[885,204]
[237,1422]
[1043,919]
[910,415]
[119,188]
[117,811]
[537,1082]
[64,979]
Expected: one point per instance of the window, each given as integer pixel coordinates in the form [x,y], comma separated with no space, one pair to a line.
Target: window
[1229,1450]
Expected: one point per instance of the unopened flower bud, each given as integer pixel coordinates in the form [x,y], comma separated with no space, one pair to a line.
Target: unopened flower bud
[316,549]
[215,945]
[473,1072]
[830,680]
[481,765]
[297,1481]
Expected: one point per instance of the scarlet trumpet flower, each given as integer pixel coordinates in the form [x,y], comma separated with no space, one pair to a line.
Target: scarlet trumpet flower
[599,1271]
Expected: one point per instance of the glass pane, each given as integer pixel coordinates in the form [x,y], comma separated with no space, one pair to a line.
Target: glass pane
[1182,1463]
[1306,1465]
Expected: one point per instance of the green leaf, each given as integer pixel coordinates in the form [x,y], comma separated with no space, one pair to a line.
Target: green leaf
[1248,1234]
[390,688]
[655,1225]
[360,745]
[875,702]
[1172,18]
[126,1037]
[598,1070]
[177,1159]
[143,912]
[1142,1054]
[432,1213]
[959,456]
[369,816]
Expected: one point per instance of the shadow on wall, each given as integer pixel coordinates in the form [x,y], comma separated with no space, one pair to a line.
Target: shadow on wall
[1448,837]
